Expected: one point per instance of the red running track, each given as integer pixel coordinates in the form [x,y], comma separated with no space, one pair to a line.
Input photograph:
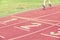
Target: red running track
[32,25]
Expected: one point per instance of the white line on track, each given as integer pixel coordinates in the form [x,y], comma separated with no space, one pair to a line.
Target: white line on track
[2,36]
[38,30]
[9,20]
[38,17]
[27,21]
[48,15]
[31,33]
[49,35]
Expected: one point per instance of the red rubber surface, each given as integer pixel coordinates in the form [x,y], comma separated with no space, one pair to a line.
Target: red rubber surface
[32,25]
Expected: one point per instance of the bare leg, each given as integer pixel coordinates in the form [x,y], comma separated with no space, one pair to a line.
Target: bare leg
[44,4]
[49,3]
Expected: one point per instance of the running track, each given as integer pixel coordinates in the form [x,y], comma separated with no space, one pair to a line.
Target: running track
[32,25]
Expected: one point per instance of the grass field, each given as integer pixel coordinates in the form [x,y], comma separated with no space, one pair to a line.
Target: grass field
[8,7]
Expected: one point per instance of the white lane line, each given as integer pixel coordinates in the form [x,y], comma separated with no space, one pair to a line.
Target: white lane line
[41,17]
[48,15]
[31,33]
[28,27]
[2,36]
[47,20]
[10,20]
[21,28]
[35,18]
[42,20]
[49,35]
[13,24]
[27,21]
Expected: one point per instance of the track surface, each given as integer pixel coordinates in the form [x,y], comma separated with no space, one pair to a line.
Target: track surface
[32,25]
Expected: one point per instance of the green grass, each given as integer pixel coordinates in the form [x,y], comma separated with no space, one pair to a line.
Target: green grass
[8,7]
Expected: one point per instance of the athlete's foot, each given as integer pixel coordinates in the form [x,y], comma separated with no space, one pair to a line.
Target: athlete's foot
[50,5]
[43,7]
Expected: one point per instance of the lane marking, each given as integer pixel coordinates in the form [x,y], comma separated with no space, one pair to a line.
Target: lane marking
[21,28]
[28,27]
[2,36]
[10,20]
[48,15]
[27,21]
[49,35]
[36,17]
[32,33]
[33,19]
